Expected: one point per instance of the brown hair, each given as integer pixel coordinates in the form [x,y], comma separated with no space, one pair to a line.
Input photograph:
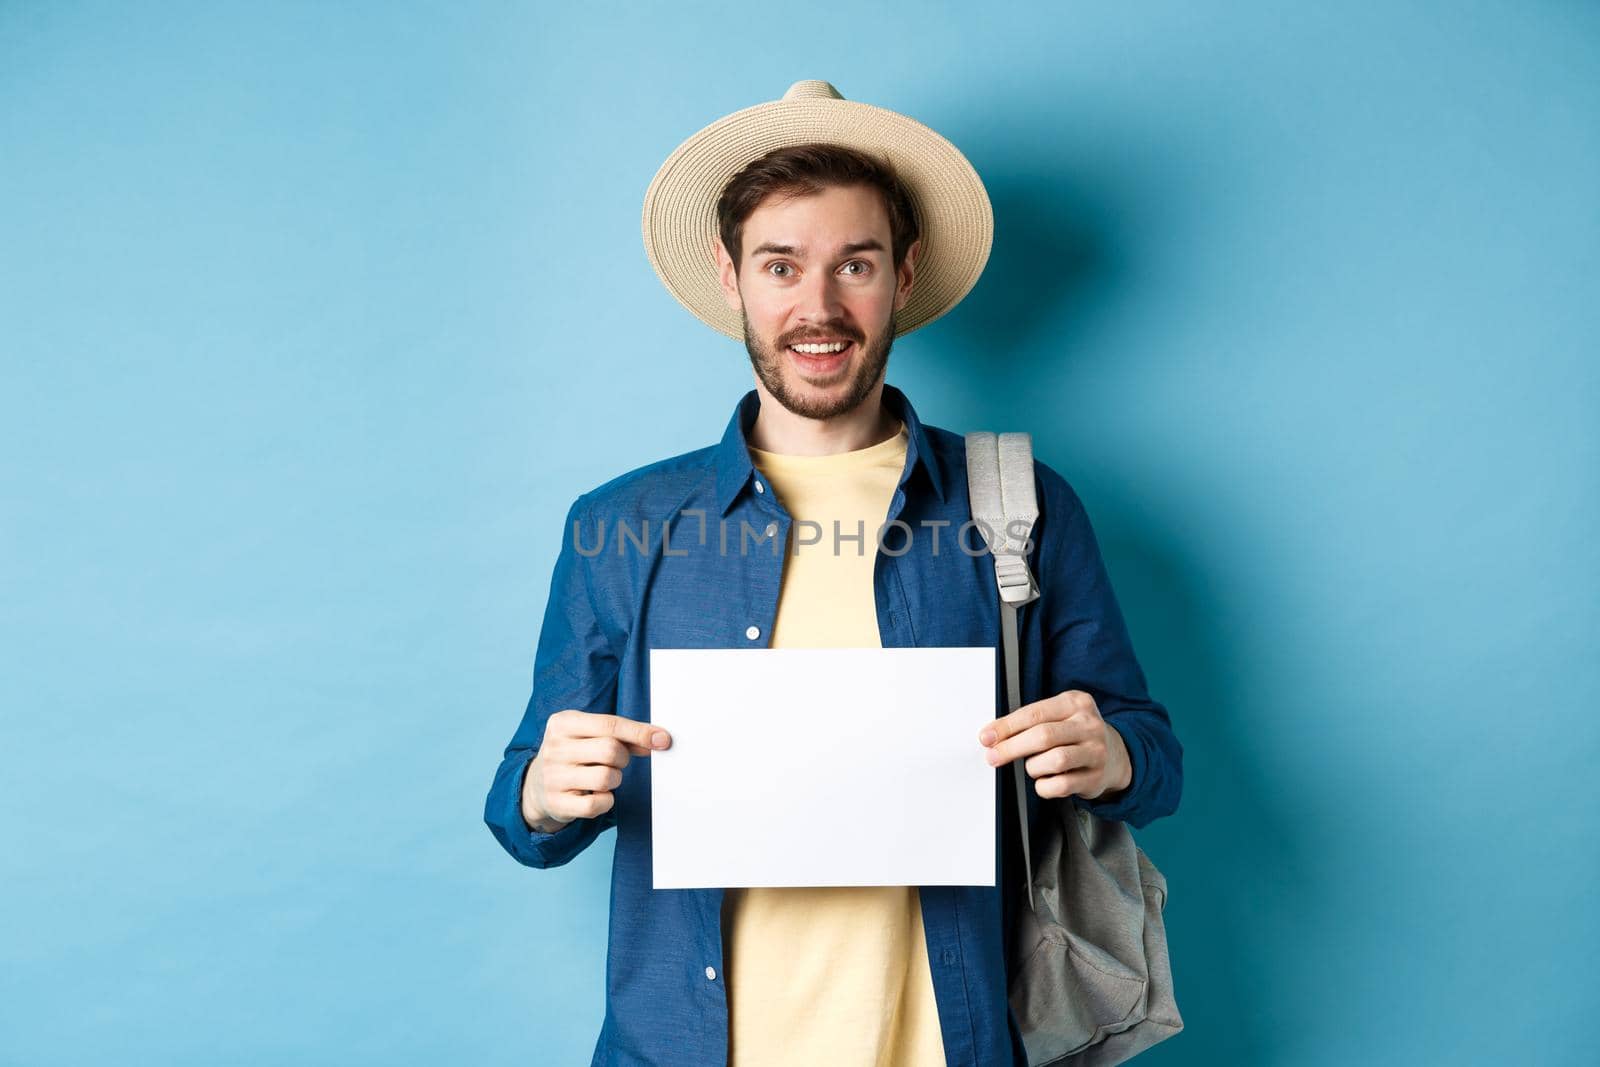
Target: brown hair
[807,169]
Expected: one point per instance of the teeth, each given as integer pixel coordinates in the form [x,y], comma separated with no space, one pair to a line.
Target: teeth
[815,350]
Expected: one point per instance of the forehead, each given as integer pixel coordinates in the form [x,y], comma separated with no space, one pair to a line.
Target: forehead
[820,223]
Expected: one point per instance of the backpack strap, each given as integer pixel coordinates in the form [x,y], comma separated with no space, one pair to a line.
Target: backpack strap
[1000,490]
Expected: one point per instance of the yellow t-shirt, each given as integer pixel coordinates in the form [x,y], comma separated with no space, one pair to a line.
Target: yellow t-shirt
[831,976]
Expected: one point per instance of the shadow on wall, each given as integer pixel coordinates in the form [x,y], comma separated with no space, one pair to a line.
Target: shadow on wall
[1229,853]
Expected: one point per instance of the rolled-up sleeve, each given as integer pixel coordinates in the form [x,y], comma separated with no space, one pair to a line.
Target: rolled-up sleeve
[1087,647]
[575,666]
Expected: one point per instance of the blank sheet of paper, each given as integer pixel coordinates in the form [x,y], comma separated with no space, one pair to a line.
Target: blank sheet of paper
[822,767]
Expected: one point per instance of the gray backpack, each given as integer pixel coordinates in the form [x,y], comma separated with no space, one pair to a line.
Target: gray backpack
[1092,982]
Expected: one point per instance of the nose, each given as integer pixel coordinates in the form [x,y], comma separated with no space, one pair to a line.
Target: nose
[818,302]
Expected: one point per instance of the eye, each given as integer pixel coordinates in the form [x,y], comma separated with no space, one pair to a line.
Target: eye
[860,263]
[777,263]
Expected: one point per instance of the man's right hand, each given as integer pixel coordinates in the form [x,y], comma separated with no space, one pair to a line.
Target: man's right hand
[578,765]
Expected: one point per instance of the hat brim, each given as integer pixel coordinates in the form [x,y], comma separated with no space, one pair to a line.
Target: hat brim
[680,221]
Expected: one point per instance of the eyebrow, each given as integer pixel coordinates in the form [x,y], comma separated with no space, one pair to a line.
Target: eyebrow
[871,244]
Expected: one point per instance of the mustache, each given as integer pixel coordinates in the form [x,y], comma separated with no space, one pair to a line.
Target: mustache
[819,338]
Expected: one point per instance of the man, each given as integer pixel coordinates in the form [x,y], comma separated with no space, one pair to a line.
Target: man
[810,249]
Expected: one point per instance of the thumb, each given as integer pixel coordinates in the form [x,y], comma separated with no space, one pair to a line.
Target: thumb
[640,737]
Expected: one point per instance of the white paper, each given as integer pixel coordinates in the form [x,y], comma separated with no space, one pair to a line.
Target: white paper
[822,767]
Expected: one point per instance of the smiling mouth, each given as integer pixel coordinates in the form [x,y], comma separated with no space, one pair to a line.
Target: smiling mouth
[821,362]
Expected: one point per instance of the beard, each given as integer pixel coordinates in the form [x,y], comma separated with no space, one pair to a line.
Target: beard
[772,366]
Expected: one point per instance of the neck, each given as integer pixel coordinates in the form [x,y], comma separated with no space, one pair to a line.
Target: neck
[777,429]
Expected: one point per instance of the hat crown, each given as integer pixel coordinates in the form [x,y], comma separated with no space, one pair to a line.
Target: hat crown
[812,89]
[679,220]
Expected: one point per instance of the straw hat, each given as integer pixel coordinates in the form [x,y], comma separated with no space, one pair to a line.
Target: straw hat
[680,206]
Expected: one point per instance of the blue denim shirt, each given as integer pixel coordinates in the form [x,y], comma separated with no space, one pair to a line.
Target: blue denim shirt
[643,565]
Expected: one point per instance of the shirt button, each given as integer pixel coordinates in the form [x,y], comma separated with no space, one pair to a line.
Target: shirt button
[711,973]
[760,488]
[772,528]
[753,632]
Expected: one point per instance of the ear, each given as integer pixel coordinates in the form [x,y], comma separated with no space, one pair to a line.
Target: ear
[905,274]
[727,279]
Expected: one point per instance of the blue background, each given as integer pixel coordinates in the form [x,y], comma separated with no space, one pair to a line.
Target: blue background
[314,320]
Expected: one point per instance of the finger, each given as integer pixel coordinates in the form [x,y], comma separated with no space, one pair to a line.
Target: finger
[582,779]
[607,751]
[645,736]
[1026,717]
[1064,785]
[584,806]
[596,778]
[1010,725]
[1030,741]
[642,734]
[1069,730]
[1060,760]
[563,747]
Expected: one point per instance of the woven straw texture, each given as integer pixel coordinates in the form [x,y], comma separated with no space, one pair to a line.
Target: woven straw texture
[680,223]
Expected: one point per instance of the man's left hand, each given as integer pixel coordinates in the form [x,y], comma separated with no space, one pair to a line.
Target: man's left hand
[1070,749]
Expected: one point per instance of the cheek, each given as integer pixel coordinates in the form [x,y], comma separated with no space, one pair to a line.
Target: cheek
[873,307]
[768,315]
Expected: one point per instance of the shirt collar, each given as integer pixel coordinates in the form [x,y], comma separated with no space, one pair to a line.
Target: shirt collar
[732,457]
